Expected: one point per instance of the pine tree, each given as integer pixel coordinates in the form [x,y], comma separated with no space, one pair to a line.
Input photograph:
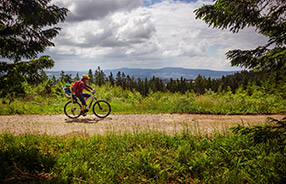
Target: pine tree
[62,76]
[123,81]
[200,84]
[54,79]
[76,78]
[111,79]
[26,27]
[146,87]
[140,86]
[118,81]
[91,78]
[267,16]
[100,77]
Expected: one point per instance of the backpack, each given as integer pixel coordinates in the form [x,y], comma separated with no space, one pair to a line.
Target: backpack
[74,87]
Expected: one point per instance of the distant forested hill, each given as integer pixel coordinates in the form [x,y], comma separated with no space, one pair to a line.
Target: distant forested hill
[163,73]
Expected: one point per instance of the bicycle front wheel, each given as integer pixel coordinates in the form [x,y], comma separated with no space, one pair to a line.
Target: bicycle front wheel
[72,109]
[101,108]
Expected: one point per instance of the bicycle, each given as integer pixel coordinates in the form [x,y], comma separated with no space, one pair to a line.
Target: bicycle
[100,108]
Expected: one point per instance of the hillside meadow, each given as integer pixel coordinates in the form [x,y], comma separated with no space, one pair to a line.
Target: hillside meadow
[50,99]
[244,155]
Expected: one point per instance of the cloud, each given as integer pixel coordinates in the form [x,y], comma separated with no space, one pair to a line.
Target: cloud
[94,10]
[125,31]
[128,33]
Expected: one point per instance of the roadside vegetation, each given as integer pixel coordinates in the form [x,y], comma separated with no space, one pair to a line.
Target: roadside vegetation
[248,155]
[242,93]
[48,98]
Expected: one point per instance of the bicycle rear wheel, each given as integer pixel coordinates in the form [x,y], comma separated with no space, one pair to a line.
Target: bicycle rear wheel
[72,109]
[101,108]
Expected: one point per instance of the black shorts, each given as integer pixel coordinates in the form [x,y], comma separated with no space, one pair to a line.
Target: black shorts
[81,97]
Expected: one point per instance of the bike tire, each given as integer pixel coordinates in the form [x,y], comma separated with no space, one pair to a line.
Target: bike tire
[101,108]
[72,109]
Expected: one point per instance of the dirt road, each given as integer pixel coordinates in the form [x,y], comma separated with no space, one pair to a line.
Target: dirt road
[60,125]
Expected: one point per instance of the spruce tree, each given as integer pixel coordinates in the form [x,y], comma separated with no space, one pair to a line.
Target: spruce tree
[267,16]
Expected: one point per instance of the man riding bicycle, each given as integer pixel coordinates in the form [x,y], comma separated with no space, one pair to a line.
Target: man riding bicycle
[78,87]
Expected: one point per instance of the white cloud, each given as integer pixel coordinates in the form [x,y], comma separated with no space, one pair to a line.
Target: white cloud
[81,10]
[123,33]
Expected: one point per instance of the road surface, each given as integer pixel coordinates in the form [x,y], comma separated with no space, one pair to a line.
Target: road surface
[60,125]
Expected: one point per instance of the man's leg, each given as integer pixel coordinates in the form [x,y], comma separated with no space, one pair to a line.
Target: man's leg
[87,96]
[81,98]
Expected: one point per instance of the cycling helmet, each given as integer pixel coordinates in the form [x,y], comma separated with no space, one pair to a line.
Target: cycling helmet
[84,76]
[67,85]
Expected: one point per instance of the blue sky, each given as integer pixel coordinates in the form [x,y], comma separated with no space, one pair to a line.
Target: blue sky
[143,34]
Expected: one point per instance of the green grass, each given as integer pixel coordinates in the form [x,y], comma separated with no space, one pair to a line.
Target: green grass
[124,101]
[147,156]
[142,157]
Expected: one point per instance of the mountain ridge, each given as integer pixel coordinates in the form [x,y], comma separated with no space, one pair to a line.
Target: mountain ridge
[163,73]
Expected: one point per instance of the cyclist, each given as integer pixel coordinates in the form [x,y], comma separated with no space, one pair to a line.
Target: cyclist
[82,84]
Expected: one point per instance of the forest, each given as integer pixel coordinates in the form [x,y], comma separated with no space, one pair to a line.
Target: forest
[246,92]
[272,82]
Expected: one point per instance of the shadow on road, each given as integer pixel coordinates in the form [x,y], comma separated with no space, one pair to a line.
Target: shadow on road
[86,120]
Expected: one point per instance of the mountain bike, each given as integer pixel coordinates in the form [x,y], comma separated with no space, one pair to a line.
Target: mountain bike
[100,108]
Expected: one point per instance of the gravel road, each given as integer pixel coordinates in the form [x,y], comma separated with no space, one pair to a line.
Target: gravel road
[60,125]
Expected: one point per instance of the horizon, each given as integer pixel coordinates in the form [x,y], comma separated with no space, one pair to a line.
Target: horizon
[165,73]
[237,70]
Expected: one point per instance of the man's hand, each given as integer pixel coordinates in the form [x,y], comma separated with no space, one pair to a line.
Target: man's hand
[93,91]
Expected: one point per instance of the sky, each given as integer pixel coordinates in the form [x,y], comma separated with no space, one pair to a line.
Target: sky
[154,34]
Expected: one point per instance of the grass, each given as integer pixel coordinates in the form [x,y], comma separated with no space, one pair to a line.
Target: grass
[148,156]
[132,102]
[165,103]
[140,157]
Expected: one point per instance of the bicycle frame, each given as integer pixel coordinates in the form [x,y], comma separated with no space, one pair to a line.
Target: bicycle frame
[90,103]
[74,99]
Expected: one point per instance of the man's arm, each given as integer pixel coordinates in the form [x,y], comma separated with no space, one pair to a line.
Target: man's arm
[87,87]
